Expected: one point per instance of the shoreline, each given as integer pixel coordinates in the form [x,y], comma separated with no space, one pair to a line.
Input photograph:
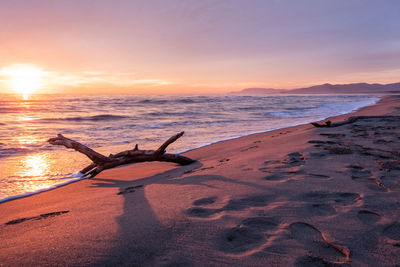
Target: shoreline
[296,196]
[276,129]
[77,178]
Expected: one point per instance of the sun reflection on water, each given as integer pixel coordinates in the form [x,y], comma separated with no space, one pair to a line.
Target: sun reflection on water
[26,118]
[34,171]
[28,139]
[36,165]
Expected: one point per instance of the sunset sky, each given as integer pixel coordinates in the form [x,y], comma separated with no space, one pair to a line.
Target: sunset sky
[185,46]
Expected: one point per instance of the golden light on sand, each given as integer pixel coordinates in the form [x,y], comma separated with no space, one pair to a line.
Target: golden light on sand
[24,79]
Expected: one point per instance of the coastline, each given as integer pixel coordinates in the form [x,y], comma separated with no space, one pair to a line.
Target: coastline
[245,202]
[76,177]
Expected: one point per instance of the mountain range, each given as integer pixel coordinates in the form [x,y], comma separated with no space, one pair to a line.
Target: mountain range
[327,88]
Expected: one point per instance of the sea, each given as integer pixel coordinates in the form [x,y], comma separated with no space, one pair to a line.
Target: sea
[113,123]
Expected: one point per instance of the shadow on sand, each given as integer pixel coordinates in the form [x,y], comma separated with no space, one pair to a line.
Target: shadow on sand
[141,238]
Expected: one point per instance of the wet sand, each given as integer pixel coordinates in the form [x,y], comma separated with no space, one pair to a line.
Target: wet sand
[298,196]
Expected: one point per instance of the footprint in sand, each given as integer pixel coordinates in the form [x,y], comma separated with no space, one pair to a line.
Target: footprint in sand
[323,203]
[389,165]
[199,170]
[291,166]
[39,217]
[270,165]
[339,150]
[271,162]
[248,148]
[202,212]
[260,223]
[278,175]
[343,198]
[223,161]
[358,131]
[264,169]
[294,159]
[368,217]
[392,231]
[129,189]
[204,201]
[318,155]
[320,209]
[358,172]
[367,241]
[232,205]
[320,176]
[313,240]
[333,147]
[246,202]
[275,177]
[309,260]
[333,135]
[239,240]
[391,180]
[250,234]
[319,143]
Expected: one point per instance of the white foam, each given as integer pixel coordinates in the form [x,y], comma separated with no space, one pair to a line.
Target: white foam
[354,108]
[77,177]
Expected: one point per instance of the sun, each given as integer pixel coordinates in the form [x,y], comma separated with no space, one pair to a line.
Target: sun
[24,79]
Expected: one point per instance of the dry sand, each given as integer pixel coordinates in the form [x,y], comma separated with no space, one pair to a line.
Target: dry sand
[300,196]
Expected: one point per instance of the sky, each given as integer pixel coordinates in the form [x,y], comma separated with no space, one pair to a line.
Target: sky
[195,47]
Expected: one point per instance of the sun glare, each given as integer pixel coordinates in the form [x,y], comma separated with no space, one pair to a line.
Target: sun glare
[24,79]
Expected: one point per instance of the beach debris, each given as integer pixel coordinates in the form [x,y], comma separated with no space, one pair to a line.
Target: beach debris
[329,124]
[326,124]
[101,162]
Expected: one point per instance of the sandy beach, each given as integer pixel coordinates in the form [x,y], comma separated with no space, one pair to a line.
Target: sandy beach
[299,196]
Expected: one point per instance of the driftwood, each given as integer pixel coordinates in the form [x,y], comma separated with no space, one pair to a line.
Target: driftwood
[353,119]
[101,162]
[329,124]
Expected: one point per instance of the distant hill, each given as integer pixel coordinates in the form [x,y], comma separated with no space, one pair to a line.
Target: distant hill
[327,88]
[259,91]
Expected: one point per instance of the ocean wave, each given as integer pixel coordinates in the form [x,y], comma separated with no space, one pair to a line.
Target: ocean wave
[104,117]
[6,152]
[153,101]
[65,180]
[294,112]
[185,123]
[161,114]
[300,108]
[250,108]
[199,100]
[188,100]
[21,109]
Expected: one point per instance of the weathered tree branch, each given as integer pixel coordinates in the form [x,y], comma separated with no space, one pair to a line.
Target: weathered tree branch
[163,147]
[68,143]
[329,124]
[101,162]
